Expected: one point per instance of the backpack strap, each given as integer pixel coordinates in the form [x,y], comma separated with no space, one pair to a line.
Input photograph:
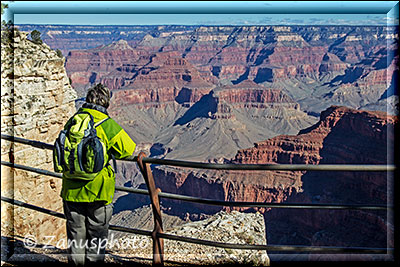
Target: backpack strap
[112,155]
[100,122]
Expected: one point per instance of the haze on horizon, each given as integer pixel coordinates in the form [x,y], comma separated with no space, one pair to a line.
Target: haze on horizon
[199,19]
[118,13]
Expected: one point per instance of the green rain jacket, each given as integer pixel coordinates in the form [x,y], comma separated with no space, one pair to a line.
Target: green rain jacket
[117,142]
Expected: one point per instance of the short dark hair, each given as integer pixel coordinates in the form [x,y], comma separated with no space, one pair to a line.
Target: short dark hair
[99,95]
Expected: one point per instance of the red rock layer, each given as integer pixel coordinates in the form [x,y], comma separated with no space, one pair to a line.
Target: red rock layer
[156,95]
[347,124]
[342,136]
[250,92]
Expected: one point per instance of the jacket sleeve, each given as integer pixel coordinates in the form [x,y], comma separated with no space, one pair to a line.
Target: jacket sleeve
[122,145]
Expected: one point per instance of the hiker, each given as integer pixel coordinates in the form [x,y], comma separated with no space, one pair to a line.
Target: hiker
[88,194]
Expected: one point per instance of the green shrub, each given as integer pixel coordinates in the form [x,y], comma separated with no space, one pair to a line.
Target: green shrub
[35,35]
[59,53]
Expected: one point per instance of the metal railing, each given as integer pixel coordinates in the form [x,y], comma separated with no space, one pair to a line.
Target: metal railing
[154,193]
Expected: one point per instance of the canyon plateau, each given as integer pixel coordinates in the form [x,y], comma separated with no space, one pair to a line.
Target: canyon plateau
[247,95]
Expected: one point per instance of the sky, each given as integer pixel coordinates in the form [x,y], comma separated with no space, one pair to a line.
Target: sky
[203,12]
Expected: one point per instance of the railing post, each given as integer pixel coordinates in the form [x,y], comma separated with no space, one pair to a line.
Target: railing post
[158,243]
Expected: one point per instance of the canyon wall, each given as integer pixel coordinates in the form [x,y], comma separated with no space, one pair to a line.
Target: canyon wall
[318,66]
[77,37]
[211,93]
[342,136]
[265,81]
[36,102]
[169,102]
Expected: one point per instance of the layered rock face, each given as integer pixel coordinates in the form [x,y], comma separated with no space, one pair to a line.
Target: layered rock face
[316,66]
[203,93]
[169,102]
[164,78]
[354,137]
[256,82]
[89,67]
[185,130]
[250,92]
[233,227]
[342,136]
[72,37]
[337,124]
[36,102]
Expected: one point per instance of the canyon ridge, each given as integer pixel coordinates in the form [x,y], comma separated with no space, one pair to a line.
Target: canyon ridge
[251,94]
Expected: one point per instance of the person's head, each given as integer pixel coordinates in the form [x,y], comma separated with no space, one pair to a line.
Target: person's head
[99,95]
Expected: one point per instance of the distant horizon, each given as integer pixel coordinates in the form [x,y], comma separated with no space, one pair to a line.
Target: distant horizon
[207,13]
[209,25]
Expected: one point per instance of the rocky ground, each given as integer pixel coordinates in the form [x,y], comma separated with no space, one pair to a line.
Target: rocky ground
[234,228]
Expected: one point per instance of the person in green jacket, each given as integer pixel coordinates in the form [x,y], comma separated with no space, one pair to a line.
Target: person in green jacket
[88,203]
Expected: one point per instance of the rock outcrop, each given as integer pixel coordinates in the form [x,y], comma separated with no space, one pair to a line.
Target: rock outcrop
[233,228]
[73,37]
[337,124]
[342,136]
[164,78]
[89,67]
[318,66]
[170,101]
[36,102]
[203,93]
[266,81]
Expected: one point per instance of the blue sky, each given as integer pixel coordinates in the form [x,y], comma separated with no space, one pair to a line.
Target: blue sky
[203,12]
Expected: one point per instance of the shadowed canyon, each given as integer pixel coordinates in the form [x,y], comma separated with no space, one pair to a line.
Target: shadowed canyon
[251,95]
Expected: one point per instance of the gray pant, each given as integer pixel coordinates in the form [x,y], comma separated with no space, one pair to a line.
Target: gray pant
[87,231]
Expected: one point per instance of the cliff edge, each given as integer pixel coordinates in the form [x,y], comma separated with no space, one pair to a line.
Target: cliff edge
[36,102]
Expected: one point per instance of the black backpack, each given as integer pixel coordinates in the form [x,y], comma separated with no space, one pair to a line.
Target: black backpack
[78,150]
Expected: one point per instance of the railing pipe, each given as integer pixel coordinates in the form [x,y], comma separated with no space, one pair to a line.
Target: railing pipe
[293,248]
[237,167]
[272,167]
[59,175]
[220,202]
[31,169]
[273,205]
[26,141]
[62,216]
[157,234]
[158,242]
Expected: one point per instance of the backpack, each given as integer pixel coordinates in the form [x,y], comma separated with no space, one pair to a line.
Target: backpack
[78,150]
